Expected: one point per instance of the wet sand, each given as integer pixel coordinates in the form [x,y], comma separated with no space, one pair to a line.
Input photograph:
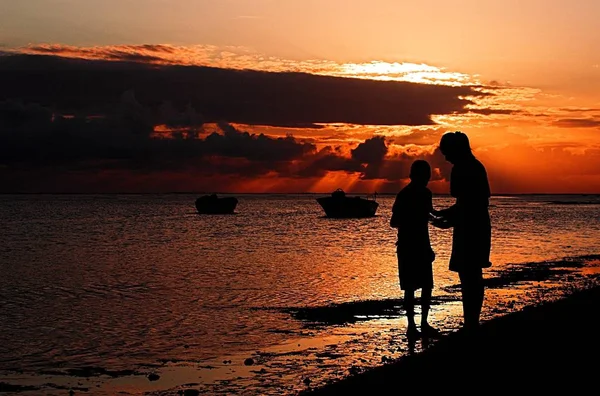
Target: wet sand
[549,347]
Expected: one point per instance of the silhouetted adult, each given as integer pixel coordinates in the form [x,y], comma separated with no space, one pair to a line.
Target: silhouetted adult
[471,238]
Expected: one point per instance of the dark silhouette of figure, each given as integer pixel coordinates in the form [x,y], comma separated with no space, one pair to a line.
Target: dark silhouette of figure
[410,215]
[471,238]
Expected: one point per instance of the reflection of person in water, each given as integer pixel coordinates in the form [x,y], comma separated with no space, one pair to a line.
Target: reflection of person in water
[471,239]
[410,215]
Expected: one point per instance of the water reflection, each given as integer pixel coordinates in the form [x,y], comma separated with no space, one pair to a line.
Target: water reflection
[144,283]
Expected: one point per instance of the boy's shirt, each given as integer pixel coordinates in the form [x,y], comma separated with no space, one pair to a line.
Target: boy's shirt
[410,214]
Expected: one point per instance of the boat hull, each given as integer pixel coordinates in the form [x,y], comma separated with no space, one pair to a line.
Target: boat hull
[209,205]
[348,207]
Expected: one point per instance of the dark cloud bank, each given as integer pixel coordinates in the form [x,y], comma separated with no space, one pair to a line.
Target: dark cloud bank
[62,117]
[240,96]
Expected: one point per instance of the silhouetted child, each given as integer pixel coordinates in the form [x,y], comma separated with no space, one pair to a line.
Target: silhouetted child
[410,215]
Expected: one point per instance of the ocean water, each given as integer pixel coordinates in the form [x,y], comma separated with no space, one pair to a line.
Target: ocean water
[98,291]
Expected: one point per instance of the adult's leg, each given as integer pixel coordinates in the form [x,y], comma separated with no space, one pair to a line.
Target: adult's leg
[479,293]
[425,304]
[472,295]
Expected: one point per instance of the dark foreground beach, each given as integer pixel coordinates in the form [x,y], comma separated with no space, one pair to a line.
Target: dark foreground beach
[550,347]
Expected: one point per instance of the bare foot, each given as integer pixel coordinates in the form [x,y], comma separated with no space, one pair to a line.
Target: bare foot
[412,333]
[430,332]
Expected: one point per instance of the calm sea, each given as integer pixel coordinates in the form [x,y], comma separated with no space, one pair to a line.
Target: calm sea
[98,291]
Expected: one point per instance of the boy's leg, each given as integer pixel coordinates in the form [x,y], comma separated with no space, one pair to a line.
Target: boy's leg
[409,306]
[426,329]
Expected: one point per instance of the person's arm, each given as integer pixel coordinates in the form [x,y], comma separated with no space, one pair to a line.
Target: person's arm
[442,222]
[443,218]
[432,212]
[396,209]
[448,212]
[455,189]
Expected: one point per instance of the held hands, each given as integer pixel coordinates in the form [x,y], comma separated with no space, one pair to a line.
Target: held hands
[440,221]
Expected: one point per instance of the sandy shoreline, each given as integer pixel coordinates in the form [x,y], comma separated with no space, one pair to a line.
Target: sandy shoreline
[550,346]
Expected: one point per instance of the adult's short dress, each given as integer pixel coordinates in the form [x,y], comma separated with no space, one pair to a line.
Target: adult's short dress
[472,235]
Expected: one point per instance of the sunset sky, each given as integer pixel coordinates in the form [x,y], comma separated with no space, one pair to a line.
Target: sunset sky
[295,95]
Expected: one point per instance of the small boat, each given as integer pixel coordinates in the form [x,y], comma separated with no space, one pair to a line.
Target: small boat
[211,204]
[338,205]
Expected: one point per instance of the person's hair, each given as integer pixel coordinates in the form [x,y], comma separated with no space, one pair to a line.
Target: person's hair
[456,143]
[420,168]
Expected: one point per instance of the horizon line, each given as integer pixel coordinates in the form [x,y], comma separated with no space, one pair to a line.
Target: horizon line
[270,193]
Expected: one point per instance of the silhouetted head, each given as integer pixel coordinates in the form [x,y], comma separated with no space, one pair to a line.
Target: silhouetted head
[420,172]
[455,146]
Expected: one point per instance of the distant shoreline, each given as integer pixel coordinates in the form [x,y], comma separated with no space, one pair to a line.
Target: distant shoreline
[277,193]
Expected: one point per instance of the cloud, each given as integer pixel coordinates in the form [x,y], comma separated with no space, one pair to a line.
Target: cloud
[493,111]
[577,123]
[144,53]
[236,96]
[261,148]
[37,146]
[41,150]
[371,151]
[32,137]
[326,160]
[372,160]
[398,167]
[420,136]
[241,58]
[61,122]
[579,109]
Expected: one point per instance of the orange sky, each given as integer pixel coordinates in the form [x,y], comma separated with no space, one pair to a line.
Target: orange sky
[538,58]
